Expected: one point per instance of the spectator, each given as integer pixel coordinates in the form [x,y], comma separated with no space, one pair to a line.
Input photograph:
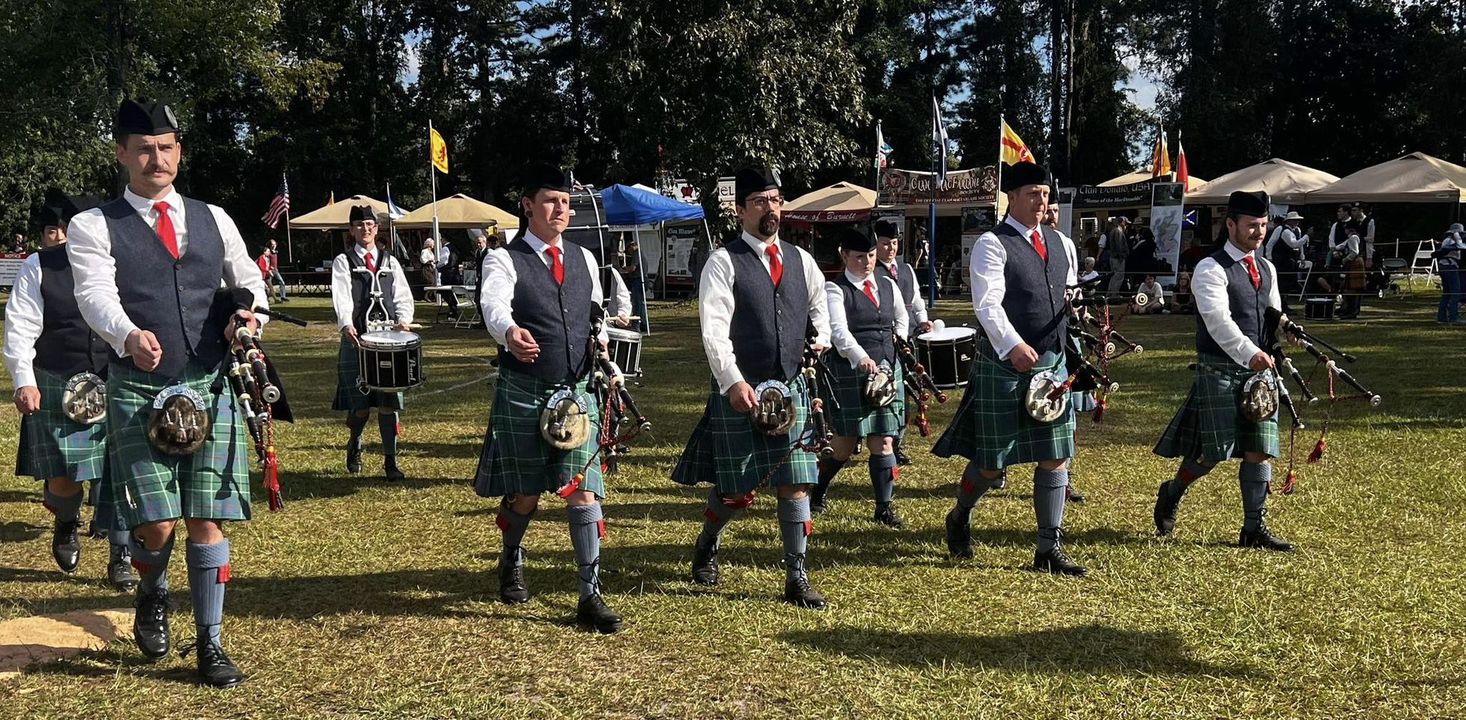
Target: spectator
[1089,274]
[428,258]
[630,269]
[269,263]
[1117,244]
[1181,300]
[1154,296]
[17,246]
[1448,260]
[449,274]
[1352,264]
[481,247]
[1366,234]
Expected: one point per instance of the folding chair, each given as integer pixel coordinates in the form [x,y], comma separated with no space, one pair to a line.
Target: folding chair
[467,308]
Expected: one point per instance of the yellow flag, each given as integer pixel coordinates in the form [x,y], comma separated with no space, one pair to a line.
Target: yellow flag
[1160,158]
[439,149]
[1014,149]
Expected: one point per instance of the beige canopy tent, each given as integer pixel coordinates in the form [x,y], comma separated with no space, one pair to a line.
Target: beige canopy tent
[841,202]
[1414,178]
[1286,182]
[459,212]
[1139,176]
[336,216]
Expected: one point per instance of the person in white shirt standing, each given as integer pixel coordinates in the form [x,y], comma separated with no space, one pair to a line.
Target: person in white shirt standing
[358,273]
[762,305]
[149,269]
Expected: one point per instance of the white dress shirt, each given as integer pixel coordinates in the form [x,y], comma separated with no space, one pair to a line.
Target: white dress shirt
[1349,245]
[1209,288]
[1288,236]
[89,246]
[916,311]
[341,299]
[989,285]
[444,255]
[620,303]
[715,307]
[24,320]
[498,278]
[1154,290]
[840,336]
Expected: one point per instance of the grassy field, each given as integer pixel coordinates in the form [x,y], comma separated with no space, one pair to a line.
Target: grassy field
[369,599]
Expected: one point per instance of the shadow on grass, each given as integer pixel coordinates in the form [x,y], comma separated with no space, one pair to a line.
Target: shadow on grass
[1087,649]
[19,496]
[18,531]
[316,485]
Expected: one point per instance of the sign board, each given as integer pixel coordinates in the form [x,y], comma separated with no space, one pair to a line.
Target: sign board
[898,187]
[680,239]
[727,193]
[10,267]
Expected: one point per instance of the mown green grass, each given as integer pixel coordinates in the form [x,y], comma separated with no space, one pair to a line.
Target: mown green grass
[369,599]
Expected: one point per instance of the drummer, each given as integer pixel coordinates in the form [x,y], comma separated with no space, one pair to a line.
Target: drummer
[890,265]
[1019,272]
[361,275]
[864,312]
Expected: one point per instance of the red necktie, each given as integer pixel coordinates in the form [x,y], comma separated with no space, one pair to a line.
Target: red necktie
[1039,247]
[1252,271]
[556,267]
[371,263]
[164,228]
[870,292]
[776,266]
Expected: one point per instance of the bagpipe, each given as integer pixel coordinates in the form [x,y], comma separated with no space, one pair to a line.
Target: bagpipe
[1094,342]
[621,420]
[821,388]
[918,382]
[1276,327]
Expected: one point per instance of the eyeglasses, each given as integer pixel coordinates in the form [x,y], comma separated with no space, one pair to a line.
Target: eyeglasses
[765,200]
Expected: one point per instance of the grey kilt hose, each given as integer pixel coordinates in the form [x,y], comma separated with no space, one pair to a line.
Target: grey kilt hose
[349,395]
[992,428]
[149,485]
[1210,427]
[728,451]
[54,445]
[855,418]
[516,459]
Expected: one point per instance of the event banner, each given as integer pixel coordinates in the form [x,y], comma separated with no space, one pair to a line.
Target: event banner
[1167,213]
[978,186]
[1066,212]
[1135,195]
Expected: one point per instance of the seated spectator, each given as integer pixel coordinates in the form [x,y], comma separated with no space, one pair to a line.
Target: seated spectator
[1155,298]
[1181,300]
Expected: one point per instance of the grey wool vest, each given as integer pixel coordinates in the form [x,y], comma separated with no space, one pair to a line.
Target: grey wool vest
[870,325]
[67,345]
[768,326]
[905,279]
[558,316]
[361,285]
[1034,300]
[1245,303]
[174,299]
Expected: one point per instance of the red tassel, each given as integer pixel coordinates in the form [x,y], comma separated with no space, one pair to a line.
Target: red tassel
[601,528]
[808,528]
[1317,453]
[1099,411]
[1290,483]
[895,473]
[399,428]
[924,427]
[272,481]
[571,487]
[224,575]
[740,502]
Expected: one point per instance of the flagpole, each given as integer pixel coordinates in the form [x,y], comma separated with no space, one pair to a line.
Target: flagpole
[931,217]
[289,246]
[998,188]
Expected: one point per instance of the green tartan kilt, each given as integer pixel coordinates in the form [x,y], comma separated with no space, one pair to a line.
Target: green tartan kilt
[726,450]
[516,459]
[853,417]
[1210,426]
[149,485]
[349,395]
[991,427]
[53,445]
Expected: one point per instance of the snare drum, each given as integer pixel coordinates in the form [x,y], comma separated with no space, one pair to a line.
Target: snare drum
[624,347]
[947,354]
[391,361]
[1319,308]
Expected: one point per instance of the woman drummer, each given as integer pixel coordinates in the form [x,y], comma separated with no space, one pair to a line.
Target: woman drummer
[868,400]
[370,293]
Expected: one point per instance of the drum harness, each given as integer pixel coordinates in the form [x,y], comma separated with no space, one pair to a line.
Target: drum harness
[377,318]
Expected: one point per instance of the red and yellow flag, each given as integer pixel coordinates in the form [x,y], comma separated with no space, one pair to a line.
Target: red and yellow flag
[1160,157]
[1014,149]
[439,150]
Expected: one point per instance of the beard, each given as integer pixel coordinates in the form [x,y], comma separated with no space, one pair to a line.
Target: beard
[768,225]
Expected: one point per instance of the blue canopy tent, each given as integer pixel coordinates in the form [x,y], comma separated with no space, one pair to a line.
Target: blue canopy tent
[637,208]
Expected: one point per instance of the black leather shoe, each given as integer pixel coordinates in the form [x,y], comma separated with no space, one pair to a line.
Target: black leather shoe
[1001,482]
[95,531]
[1166,502]
[353,459]
[886,515]
[119,569]
[1072,495]
[150,624]
[705,564]
[392,472]
[1264,539]
[593,614]
[65,545]
[797,591]
[818,503]
[959,535]
[215,668]
[1055,561]
[512,589]
[902,459]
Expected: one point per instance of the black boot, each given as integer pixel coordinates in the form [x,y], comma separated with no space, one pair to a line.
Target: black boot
[1001,482]
[886,515]
[119,569]
[817,498]
[1263,539]
[959,534]
[593,614]
[1055,561]
[215,668]
[797,589]
[512,589]
[65,545]
[353,458]
[902,459]
[150,624]
[392,472]
[1072,495]
[1167,500]
[705,563]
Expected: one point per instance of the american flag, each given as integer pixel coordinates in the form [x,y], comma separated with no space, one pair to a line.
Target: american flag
[279,205]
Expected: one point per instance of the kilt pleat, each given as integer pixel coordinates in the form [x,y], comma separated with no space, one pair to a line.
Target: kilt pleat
[349,395]
[726,450]
[1210,426]
[515,459]
[991,426]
